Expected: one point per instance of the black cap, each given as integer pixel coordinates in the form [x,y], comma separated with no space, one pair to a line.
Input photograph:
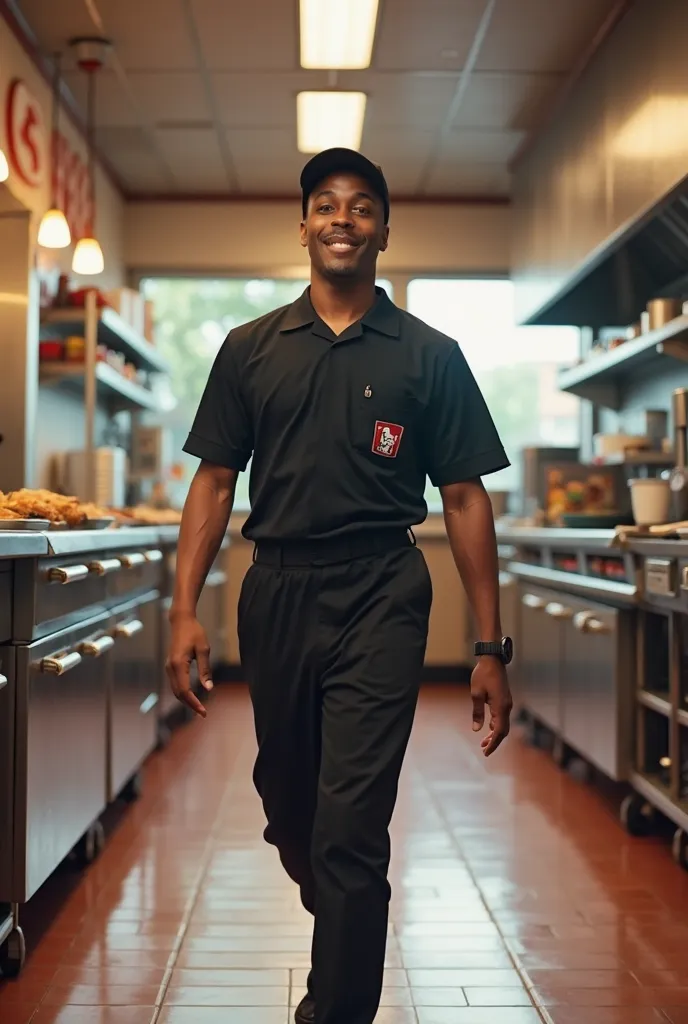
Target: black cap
[330,161]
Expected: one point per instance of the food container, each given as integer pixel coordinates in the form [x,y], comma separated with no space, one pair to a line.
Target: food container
[50,351]
[75,349]
[606,445]
[650,501]
[661,311]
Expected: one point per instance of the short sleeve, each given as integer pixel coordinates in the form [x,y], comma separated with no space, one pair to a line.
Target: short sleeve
[222,431]
[460,439]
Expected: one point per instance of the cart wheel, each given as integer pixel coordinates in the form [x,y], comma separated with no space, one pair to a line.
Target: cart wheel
[164,736]
[134,788]
[679,848]
[13,954]
[578,769]
[90,845]
[637,815]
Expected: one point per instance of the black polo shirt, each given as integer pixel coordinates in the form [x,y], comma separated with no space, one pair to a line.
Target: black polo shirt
[343,429]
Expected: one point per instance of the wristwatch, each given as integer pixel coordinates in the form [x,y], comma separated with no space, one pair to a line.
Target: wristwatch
[502,649]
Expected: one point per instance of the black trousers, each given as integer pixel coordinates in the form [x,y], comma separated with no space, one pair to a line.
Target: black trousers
[333,654]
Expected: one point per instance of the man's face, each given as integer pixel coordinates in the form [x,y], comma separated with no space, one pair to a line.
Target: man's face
[344,228]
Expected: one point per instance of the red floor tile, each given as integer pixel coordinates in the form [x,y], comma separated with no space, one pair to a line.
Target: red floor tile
[510,881]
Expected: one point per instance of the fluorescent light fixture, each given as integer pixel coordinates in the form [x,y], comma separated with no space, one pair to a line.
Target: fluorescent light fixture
[88,257]
[657,130]
[337,34]
[326,119]
[4,167]
[54,232]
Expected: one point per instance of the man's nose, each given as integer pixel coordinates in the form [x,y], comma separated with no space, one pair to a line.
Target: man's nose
[342,219]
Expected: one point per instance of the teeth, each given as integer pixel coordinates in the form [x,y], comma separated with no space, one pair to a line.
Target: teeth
[340,246]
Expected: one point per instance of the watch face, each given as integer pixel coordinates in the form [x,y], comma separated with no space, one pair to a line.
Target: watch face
[507,650]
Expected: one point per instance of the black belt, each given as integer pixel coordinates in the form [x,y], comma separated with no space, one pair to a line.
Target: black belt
[329,551]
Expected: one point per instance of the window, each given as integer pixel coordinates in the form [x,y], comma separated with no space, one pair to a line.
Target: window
[515,367]
[193,317]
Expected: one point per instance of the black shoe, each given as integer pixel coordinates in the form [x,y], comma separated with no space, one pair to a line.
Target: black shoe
[305,1011]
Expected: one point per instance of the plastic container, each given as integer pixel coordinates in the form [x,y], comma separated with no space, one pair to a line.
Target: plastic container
[650,501]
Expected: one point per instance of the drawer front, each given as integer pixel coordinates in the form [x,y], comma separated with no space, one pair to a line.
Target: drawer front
[66,592]
[142,571]
[5,603]
[134,694]
[7,674]
[61,733]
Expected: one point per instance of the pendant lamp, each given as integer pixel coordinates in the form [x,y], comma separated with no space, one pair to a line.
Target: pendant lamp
[53,232]
[88,256]
[4,167]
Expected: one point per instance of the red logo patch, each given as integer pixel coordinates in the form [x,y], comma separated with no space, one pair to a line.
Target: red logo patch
[387,439]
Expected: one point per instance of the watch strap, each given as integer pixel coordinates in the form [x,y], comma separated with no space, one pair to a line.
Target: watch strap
[484,647]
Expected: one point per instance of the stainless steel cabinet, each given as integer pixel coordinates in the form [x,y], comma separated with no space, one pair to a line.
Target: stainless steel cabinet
[7,712]
[597,684]
[537,684]
[61,732]
[134,693]
[211,612]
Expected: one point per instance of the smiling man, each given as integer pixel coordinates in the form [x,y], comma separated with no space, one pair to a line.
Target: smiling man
[346,404]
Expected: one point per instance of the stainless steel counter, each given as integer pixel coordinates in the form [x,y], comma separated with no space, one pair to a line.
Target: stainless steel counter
[552,537]
[75,542]
[23,545]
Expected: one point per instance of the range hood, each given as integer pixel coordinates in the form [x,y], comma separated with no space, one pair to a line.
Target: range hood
[646,261]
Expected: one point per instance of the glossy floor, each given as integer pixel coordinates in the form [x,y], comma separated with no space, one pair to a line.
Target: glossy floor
[517,897]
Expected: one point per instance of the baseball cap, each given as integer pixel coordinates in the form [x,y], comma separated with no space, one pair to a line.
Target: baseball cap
[339,159]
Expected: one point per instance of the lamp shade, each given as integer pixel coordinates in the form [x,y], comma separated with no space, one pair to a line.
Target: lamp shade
[54,232]
[88,257]
[4,167]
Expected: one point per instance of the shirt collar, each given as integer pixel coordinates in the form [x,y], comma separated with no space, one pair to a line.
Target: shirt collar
[382,317]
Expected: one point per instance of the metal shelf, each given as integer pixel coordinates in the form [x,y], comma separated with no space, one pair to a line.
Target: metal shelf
[655,702]
[659,796]
[599,377]
[113,331]
[682,717]
[112,388]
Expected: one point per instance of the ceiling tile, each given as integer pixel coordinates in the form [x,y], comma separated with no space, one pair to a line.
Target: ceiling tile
[257,36]
[113,105]
[454,178]
[481,146]
[540,35]
[496,100]
[262,101]
[396,100]
[266,160]
[55,23]
[427,35]
[148,35]
[401,154]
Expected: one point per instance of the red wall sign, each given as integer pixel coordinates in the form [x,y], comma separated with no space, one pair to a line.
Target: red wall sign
[25,134]
[31,161]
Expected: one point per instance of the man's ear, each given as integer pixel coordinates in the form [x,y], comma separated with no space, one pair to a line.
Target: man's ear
[304,234]
[384,242]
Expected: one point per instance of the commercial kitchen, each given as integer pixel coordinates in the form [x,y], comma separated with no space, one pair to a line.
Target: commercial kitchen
[537,156]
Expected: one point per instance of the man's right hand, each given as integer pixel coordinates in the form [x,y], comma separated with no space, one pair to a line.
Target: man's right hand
[189,643]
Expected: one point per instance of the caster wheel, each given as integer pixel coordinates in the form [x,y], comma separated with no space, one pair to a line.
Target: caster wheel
[13,954]
[164,737]
[679,848]
[134,788]
[637,815]
[578,769]
[91,845]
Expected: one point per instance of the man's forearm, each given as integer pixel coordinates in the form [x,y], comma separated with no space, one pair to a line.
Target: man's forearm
[204,523]
[469,522]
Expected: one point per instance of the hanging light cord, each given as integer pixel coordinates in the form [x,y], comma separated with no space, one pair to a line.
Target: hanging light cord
[55,126]
[91,146]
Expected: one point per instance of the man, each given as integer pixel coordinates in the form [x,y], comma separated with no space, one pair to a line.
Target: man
[346,403]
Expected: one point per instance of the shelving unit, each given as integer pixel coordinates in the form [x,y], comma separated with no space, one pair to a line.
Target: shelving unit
[599,378]
[112,389]
[112,331]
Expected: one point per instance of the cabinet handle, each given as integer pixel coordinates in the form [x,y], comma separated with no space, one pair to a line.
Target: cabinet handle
[684,578]
[67,573]
[531,601]
[59,664]
[153,556]
[94,648]
[132,561]
[558,611]
[128,629]
[104,566]
[149,703]
[585,622]
[3,681]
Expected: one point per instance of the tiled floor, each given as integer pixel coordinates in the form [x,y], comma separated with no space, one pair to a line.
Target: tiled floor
[514,887]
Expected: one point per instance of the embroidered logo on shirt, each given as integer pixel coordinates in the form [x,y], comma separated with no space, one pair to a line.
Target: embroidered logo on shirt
[386,439]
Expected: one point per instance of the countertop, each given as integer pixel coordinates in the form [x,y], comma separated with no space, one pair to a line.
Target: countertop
[72,542]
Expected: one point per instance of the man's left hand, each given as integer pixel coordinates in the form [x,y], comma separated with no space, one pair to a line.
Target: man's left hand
[489,685]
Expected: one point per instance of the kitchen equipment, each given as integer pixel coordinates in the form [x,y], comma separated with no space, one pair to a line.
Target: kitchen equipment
[594,521]
[606,445]
[678,478]
[109,471]
[656,428]
[650,500]
[534,463]
[22,525]
[151,453]
[661,311]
